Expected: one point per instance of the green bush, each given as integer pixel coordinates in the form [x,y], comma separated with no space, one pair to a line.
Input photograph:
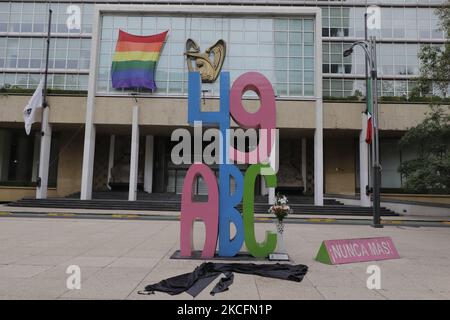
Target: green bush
[430,172]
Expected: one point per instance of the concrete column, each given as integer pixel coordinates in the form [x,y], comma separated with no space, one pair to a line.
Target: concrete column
[304,173]
[318,133]
[364,167]
[44,157]
[264,190]
[134,158]
[89,131]
[274,165]
[318,155]
[36,151]
[148,166]
[271,197]
[88,162]
[112,144]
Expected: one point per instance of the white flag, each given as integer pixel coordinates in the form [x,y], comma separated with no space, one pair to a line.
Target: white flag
[30,110]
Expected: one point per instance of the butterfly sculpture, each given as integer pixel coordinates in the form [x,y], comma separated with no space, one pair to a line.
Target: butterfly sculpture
[208,63]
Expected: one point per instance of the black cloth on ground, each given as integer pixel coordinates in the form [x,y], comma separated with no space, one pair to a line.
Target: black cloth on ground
[223,283]
[194,282]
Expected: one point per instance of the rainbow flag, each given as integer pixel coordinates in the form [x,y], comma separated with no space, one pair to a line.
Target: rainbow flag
[135,59]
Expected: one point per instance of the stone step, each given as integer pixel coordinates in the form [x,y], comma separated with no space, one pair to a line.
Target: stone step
[166,197]
[114,204]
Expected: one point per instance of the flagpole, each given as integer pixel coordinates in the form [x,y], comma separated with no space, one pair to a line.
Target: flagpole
[370,51]
[367,188]
[375,140]
[45,104]
[375,179]
[46,131]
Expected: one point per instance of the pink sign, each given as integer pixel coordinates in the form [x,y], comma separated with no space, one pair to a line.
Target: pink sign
[357,250]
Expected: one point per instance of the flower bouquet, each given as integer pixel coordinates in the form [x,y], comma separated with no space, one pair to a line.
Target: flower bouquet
[280,209]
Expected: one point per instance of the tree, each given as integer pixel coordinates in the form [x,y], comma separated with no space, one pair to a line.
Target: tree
[434,68]
[430,172]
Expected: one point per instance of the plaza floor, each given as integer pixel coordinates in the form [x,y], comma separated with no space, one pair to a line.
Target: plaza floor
[119,257]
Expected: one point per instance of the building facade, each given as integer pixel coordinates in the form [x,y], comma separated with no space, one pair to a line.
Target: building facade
[297,45]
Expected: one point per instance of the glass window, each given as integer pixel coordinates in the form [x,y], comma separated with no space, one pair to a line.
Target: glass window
[296,37]
[281,89]
[295,64]
[279,48]
[17,158]
[295,25]
[296,90]
[309,51]
[281,63]
[281,37]
[393,59]
[308,25]
[4,7]
[266,37]
[296,76]
[296,51]
[281,24]
[17,151]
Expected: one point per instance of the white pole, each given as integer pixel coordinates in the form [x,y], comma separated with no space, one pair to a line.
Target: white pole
[363,164]
[46,129]
[90,129]
[36,151]
[318,156]
[134,159]
[273,164]
[88,161]
[44,162]
[318,133]
[148,169]
[375,139]
[264,190]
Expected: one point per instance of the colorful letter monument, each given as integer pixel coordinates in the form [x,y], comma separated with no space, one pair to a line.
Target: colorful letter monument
[219,212]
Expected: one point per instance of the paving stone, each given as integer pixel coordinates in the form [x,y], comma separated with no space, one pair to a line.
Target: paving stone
[20,271]
[119,258]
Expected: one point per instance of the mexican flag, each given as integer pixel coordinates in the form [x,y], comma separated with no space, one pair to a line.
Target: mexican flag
[369,113]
